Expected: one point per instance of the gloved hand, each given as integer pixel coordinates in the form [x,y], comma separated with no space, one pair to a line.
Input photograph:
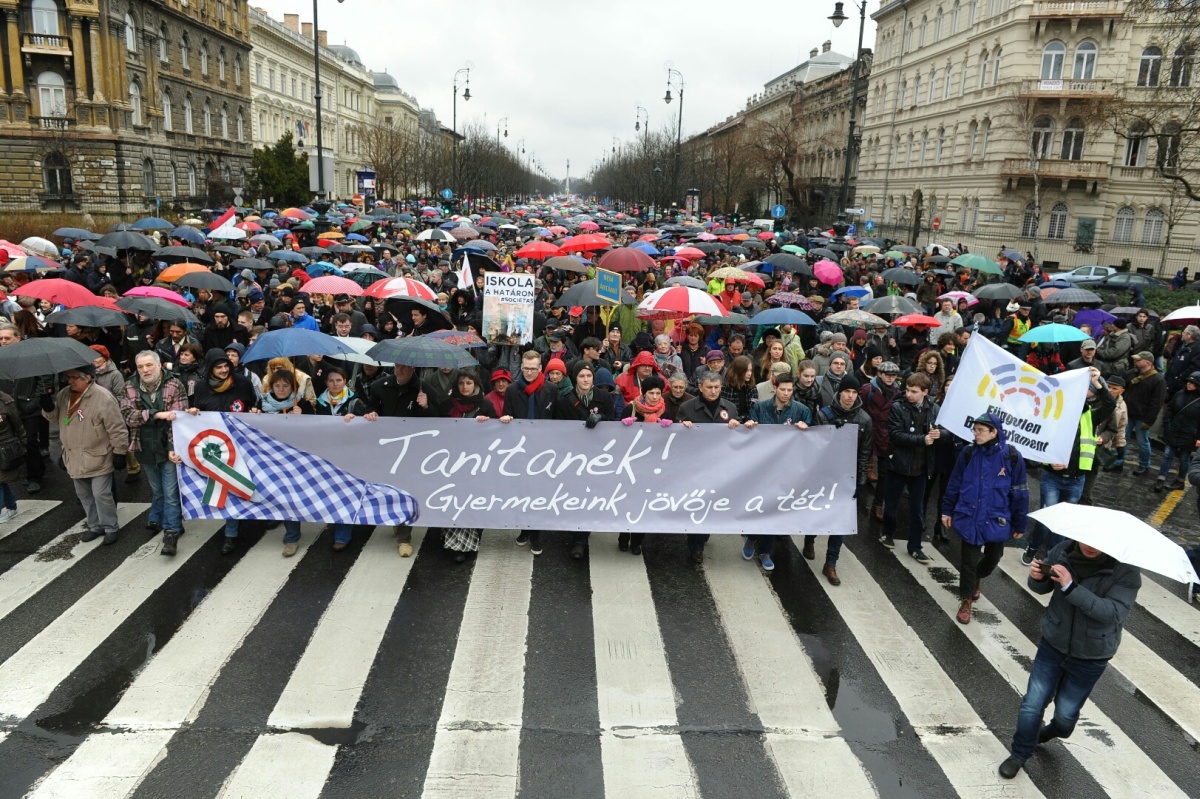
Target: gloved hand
[665,422]
[592,421]
[1145,425]
[47,402]
[119,462]
[628,420]
[838,423]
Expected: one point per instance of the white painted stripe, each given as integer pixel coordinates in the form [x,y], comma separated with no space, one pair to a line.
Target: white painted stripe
[1120,767]
[27,511]
[29,677]
[325,685]
[640,746]
[288,764]
[1174,694]
[476,749]
[105,766]
[35,572]
[802,735]
[943,719]
[1170,608]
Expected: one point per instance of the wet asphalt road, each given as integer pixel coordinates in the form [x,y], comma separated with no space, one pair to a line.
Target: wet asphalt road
[387,750]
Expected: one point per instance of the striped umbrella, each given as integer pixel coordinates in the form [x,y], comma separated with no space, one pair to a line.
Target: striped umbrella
[400,287]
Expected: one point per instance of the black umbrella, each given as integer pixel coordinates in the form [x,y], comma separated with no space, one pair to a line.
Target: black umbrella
[91,246]
[204,280]
[905,248]
[584,295]
[822,252]
[997,291]
[905,277]
[127,240]
[88,316]
[233,252]
[43,356]
[838,247]
[253,264]
[157,308]
[1072,296]
[788,263]
[387,247]
[567,263]
[421,351]
[180,255]
[401,308]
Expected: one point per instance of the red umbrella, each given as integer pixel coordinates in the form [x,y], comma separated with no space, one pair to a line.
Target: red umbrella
[691,253]
[766,235]
[538,250]
[677,302]
[916,320]
[57,290]
[588,242]
[249,226]
[649,237]
[400,287]
[159,292]
[828,272]
[626,259]
[332,284]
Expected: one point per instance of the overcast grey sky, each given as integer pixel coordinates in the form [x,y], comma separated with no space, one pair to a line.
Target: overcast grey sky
[569,76]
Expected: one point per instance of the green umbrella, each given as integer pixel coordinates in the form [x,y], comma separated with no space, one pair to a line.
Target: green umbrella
[982,263]
[895,255]
[793,249]
[360,225]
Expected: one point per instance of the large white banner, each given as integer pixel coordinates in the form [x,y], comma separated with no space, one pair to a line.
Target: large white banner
[1040,413]
[508,300]
[538,475]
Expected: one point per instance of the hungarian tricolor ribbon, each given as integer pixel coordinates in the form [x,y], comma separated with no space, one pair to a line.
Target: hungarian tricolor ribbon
[214,454]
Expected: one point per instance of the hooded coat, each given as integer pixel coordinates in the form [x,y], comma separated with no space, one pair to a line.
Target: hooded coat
[987,496]
[240,397]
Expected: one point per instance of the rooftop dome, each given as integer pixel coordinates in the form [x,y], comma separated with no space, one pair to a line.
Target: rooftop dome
[347,54]
[385,82]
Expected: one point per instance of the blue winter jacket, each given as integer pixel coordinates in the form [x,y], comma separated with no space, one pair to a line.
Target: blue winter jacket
[987,497]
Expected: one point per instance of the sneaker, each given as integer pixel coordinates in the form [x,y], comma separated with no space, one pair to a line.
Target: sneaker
[887,541]
[7,515]
[32,487]
[1136,472]
[748,550]
[635,549]
[810,550]
[964,611]
[90,535]
[767,564]
[1160,484]
[290,549]
[522,538]
[577,550]
[170,544]
[1027,556]
[153,527]
[405,549]
[1011,767]
[536,548]
[831,574]
[920,557]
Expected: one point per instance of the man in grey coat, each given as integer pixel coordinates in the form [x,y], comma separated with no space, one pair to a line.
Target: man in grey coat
[1091,596]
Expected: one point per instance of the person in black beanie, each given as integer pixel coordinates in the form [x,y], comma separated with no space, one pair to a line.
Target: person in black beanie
[708,408]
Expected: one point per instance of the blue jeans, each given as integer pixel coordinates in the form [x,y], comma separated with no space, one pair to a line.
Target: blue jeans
[231,528]
[291,532]
[833,547]
[1066,681]
[1185,461]
[164,495]
[763,544]
[1055,487]
[341,533]
[1135,435]
[7,498]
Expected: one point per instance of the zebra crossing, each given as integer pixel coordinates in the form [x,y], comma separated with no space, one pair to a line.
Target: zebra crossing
[364,674]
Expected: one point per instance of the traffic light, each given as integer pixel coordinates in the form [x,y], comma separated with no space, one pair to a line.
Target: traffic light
[736,218]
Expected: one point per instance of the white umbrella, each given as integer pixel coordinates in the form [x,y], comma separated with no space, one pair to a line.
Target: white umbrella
[1188,313]
[227,232]
[360,347]
[1117,533]
[435,234]
[39,246]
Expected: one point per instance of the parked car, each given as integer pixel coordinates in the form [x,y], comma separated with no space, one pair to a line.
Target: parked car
[1084,274]
[1125,281]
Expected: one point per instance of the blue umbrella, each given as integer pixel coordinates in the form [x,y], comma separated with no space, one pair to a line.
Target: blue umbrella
[646,247]
[404,217]
[287,256]
[189,234]
[781,316]
[323,268]
[152,223]
[79,234]
[293,342]
[357,237]
[448,225]
[1053,334]
[1012,255]
[854,291]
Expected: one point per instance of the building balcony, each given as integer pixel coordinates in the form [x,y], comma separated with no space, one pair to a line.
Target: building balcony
[53,123]
[45,44]
[1054,170]
[1076,9]
[1066,89]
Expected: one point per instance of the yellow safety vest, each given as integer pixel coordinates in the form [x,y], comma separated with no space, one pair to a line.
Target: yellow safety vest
[1087,441]
[1020,328]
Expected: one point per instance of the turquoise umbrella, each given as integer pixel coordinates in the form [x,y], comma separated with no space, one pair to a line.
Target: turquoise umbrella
[1053,334]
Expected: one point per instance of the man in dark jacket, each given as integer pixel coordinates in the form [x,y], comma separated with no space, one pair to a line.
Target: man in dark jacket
[846,409]
[583,404]
[224,329]
[708,408]
[1145,391]
[1091,594]
[912,432]
[531,396]
[1185,360]
[26,393]
[1181,429]
[878,395]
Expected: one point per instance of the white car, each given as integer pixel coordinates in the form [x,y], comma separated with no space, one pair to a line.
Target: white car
[1084,274]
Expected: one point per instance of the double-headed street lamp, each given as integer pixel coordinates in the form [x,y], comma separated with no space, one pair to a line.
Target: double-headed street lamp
[466,97]
[837,18]
[677,76]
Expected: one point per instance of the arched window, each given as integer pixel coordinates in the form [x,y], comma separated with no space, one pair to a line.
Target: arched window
[172,182]
[985,58]
[1152,227]
[1029,222]
[1181,67]
[1168,146]
[207,118]
[949,79]
[902,95]
[908,156]
[52,94]
[954,19]
[241,126]
[1150,67]
[1072,142]
[191,172]
[1058,221]
[937,26]
[224,123]
[924,31]
[44,15]
[188,123]
[1085,61]
[1123,226]
[185,52]
[932,86]
[924,146]
[972,139]
[972,12]
[1043,134]
[974,226]
[163,54]
[237,70]
[56,174]
[916,89]
[168,112]
[962,214]
[1135,146]
[941,146]
[987,137]
[227,176]
[908,47]
[996,56]
[204,58]
[148,189]
[1053,56]
[221,64]
[135,103]
[130,34]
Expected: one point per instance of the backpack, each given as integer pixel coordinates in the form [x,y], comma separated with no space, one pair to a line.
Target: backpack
[1012,456]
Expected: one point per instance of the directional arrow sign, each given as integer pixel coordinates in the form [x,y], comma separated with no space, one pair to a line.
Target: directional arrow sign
[778,211]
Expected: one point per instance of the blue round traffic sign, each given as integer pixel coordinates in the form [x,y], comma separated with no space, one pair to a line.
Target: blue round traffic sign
[447,194]
[778,211]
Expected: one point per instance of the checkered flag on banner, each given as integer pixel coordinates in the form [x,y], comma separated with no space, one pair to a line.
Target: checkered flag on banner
[291,484]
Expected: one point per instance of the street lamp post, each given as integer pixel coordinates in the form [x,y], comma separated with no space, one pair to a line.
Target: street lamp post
[321,206]
[837,18]
[502,122]
[454,124]
[678,77]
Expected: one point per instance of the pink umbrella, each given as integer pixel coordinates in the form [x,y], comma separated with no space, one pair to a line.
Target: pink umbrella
[707,237]
[13,250]
[156,291]
[766,235]
[691,253]
[828,272]
[559,230]
[588,226]
[677,302]
[960,295]
[332,284]
[400,287]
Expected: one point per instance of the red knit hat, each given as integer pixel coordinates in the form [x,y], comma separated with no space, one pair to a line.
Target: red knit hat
[501,374]
[556,364]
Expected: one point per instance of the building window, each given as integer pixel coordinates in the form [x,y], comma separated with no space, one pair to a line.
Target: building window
[237,70]
[1085,61]
[258,73]
[56,174]
[972,140]
[987,137]
[1072,142]
[52,95]
[1058,221]
[221,11]
[1029,222]
[941,146]
[902,94]
[167,112]
[271,79]
[916,89]
[932,86]
[972,11]
[1168,146]
[221,64]
[1053,56]
[207,118]
[1152,227]
[224,123]
[924,146]
[937,26]
[45,17]
[1123,226]
[954,18]
[924,31]
[172,182]
[996,65]
[1135,147]
[962,215]
[974,226]
[1181,67]
[188,125]
[184,52]
[148,178]
[908,155]
[163,51]
[908,47]
[1150,67]
[135,103]
[241,126]
[949,79]
[204,59]
[191,172]
[1043,135]
[130,34]
[985,59]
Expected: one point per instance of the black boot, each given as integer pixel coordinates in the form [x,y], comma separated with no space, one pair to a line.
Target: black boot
[170,544]
[229,545]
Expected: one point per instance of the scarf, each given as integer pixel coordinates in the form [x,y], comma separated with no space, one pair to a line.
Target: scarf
[335,401]
[272,405]
[651,413]
[535,386]
[151,394]
[151,388]
[221,385]
[1142,377]
[1083,567]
